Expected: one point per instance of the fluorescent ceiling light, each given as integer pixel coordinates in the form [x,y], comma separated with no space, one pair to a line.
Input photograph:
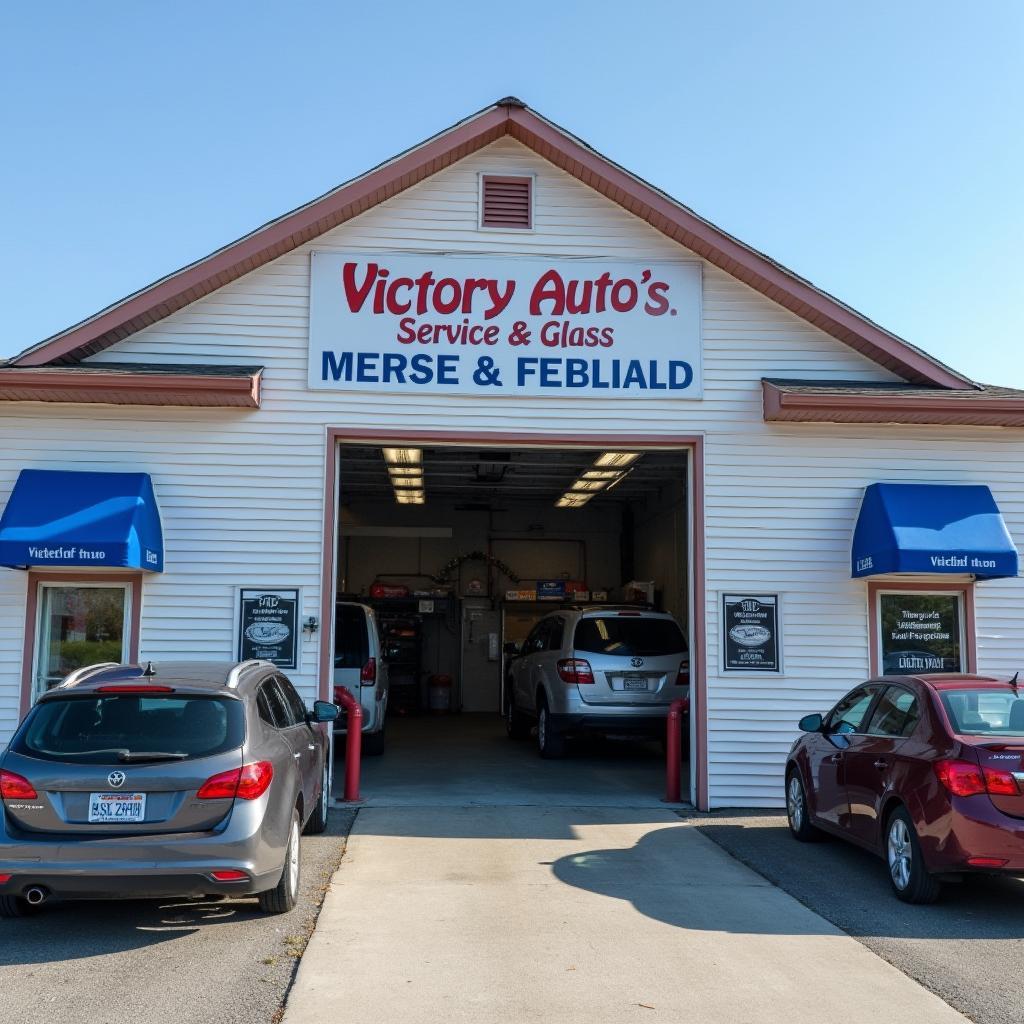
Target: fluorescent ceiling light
[402,456]
[588,485]
[410,497]
[571,500]
[406,471]
[406,484]
[619,460]
[601,474]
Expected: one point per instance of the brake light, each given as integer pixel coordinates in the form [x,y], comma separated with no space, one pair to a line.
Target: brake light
[229,875]
[16,787]
[247,783]
[683,675]
[961,778]
[575,670]
[368,673]
[4,879]
[135,688]
[986,862]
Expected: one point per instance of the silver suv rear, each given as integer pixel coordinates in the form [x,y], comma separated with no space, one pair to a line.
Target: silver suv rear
[604,669]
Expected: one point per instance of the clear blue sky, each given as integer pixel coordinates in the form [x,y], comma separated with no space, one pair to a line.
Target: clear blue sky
[875,148]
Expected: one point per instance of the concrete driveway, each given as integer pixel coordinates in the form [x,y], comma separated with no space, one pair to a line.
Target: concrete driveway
[968,948]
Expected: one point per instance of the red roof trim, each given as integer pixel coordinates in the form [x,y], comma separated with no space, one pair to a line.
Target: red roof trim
[508,117]
[965,408]
[50,385]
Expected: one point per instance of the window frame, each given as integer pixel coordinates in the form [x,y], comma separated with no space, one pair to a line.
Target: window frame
[968,631]
[37,579]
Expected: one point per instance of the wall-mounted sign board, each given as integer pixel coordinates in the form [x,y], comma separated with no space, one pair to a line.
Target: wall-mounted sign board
[750,633]
[489,325]
[268,626]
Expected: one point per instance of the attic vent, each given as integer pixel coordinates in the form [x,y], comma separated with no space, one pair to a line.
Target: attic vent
[506,202]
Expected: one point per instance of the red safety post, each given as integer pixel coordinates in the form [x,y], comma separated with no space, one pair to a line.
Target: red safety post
[353,742]
[673,750]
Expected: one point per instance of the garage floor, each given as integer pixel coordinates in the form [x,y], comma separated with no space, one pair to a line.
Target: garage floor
[467,760]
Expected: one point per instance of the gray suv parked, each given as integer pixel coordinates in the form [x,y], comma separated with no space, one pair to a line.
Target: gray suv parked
[602,668]
[180,779]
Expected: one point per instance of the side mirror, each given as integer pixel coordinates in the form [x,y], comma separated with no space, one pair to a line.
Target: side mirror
[324,711]
[811,723]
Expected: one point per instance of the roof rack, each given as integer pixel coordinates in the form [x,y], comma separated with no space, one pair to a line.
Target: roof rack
[235,675]
[81,674]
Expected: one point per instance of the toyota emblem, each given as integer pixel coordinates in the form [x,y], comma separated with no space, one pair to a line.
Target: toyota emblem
[636,662]
[116,779]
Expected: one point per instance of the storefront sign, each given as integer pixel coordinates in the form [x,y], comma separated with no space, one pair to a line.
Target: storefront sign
[920,633]
[268,624]
[750,632]
[486,325]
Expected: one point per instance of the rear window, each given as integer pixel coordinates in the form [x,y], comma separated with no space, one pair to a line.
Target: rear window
[624,635]
[984,712]
[122,729]
[351,643]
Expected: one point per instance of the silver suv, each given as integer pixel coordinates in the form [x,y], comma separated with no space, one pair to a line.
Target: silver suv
[605,669]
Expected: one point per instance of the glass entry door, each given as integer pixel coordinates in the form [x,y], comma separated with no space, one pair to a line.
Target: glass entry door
[79,624]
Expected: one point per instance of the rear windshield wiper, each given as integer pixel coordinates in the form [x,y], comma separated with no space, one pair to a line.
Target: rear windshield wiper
[131,756]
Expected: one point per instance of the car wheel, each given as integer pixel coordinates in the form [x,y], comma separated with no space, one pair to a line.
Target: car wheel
[517,725]
[14,906]
[797,811]
[550,742]
[910,879]
[318,819]
[285,894]
[373,743]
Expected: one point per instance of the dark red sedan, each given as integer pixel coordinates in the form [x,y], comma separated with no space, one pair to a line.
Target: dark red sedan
[926,771]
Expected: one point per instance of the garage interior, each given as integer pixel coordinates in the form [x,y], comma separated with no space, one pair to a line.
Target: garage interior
[460,551]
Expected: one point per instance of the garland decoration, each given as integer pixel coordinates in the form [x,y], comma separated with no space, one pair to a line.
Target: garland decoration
[446,573]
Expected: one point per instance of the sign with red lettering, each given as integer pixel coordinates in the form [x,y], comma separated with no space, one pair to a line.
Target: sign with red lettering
[487,325]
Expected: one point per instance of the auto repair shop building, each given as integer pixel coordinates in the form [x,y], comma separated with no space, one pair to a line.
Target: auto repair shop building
[495,370]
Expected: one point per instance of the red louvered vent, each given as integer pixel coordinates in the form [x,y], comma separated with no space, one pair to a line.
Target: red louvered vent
[507,203]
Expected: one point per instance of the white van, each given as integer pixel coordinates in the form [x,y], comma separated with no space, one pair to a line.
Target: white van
[360,668]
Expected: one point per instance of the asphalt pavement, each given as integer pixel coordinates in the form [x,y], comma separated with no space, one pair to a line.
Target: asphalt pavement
[167,962]
[967,949]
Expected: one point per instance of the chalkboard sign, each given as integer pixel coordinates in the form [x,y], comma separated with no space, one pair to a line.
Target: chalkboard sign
[750,632]
[268,624]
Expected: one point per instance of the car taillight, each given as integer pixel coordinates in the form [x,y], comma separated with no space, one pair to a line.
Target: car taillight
[986,862]
[229,875]
[683,675]
[4,879]
[575,670]
[368,673]
[962,778]
[247,783]
[15,787]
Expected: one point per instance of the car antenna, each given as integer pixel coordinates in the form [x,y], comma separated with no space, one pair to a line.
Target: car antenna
[1013,683]
[149,670]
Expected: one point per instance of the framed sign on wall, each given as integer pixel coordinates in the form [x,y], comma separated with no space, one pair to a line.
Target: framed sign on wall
[750,633]
[268,626]
[921,632]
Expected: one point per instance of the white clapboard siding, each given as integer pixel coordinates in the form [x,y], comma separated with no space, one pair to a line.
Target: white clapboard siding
[241,492]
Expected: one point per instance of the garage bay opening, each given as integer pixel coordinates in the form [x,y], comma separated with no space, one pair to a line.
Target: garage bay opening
[515,623]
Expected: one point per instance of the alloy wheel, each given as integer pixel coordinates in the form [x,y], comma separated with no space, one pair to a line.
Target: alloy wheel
[795,803]
[900,853]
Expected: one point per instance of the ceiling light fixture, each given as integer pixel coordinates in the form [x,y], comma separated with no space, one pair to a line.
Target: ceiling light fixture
[573,500]
[405,469]
[403,456]
[601,474]
[617,460]
[588,485]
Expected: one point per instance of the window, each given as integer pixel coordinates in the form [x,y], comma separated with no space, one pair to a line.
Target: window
[978,712]
[922,631]
[273,708]
[506,202]
[537,640]
[895,715]
[609,634]
[849,714]
[351,641]
[557,634]
[79,624]
[294,701]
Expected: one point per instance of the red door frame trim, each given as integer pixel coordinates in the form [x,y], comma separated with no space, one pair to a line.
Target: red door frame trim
[918,587]
[694,442]
[70,576]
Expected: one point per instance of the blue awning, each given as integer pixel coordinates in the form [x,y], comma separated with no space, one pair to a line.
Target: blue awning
[100,520]
[932,529]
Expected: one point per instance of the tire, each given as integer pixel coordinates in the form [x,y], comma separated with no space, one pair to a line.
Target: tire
[797,812]
[907,873]
[550,743]
[283,897]
[14,906]
[517,725]
[318,819]
[374,743]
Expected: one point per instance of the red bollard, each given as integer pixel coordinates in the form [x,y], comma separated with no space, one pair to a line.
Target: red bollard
[353,742]
[673,751]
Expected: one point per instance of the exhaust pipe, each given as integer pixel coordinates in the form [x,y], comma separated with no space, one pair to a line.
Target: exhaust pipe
[35,895]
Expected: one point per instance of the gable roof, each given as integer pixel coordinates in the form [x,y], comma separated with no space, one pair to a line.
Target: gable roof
[507,117]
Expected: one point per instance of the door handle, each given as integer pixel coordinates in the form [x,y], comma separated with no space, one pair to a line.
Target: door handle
[881,764]
[311,746]
[296,756]
[836,758]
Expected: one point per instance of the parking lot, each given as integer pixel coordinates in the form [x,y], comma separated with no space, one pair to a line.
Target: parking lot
[967,948]
[183,961]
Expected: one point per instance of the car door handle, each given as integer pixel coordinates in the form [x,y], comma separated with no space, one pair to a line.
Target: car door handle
[881,764]
[296,756]
[835,758]
[311,746]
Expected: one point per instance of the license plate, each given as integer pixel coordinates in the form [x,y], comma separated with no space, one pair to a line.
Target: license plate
[117,807]
[634,682]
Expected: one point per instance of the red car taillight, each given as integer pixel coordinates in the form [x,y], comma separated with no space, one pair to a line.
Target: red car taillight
[229,875]
[368,673]
[575,670]
[961,778]
[247,783]
[683,675]
[15,787]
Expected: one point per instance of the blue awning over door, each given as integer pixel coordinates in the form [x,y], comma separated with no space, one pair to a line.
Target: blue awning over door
[65,518]
[932,529]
